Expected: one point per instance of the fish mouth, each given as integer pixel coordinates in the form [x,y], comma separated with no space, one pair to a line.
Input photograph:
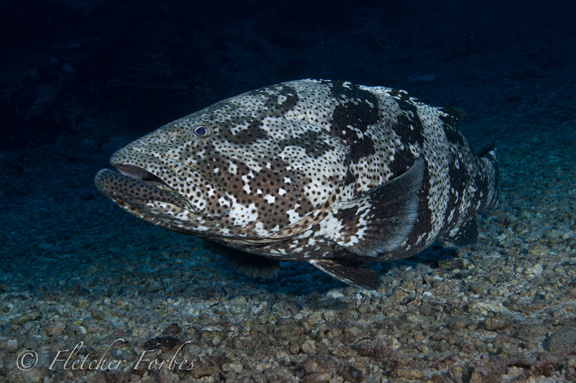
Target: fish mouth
[138,173]
[138,188]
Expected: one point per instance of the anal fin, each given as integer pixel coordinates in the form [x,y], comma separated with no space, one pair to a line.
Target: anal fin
[255,266]
[348,273]
[250,265]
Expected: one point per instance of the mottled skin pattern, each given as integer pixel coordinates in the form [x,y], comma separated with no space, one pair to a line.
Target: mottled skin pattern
[321,171]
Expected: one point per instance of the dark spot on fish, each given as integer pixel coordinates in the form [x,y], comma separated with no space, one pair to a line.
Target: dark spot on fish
[290,100]
[279,101]
[250,134]
[313,142]
[453,135]
[342,127]
[350,215]
[409,127]
[356,107]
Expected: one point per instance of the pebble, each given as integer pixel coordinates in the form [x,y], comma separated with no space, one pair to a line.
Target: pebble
[562,341]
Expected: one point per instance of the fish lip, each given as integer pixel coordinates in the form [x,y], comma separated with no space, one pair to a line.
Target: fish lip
[141,190]
[138,173]
[141,174]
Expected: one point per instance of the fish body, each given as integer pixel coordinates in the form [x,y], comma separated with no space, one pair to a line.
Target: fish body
[325,172]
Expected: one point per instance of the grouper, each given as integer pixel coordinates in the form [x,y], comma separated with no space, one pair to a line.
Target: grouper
[325,172]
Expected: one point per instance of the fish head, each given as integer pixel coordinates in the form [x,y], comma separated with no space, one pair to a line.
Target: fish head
[242,169]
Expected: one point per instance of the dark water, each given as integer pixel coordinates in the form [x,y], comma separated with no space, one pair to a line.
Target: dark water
[93,70]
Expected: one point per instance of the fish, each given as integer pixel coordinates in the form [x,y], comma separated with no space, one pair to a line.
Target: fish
[330,173]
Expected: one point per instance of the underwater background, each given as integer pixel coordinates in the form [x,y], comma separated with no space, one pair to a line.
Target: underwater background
[89,293]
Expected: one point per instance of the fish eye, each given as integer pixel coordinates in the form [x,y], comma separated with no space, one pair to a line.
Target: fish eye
[202,131]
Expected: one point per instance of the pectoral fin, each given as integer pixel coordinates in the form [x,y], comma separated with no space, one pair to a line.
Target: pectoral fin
[379,220]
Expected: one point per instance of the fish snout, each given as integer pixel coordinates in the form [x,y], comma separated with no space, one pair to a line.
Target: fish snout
[133,190]
[144,190]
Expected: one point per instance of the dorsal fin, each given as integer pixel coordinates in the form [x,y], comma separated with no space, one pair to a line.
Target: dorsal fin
[379,220]
[456,114]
